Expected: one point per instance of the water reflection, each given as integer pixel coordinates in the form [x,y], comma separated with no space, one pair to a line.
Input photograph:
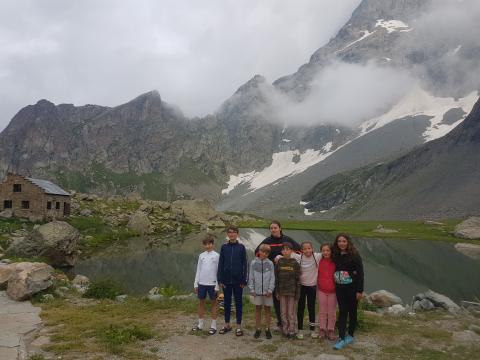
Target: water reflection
[404,267]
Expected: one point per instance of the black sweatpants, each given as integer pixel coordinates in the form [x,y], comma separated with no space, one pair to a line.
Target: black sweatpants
[347,306]
[308,294]
[276,305]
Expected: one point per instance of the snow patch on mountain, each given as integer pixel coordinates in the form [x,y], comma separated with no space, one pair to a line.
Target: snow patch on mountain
[285,163]
[393,25]
[365,34]
[419,102]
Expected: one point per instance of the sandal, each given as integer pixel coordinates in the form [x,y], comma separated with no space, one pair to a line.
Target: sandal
[212,331]
[225,330]
[239,332]
[196,328]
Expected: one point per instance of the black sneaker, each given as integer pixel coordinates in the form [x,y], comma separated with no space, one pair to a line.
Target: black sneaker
[257,334]
[268,334]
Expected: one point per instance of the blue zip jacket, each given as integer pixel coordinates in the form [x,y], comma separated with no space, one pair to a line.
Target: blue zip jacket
[232,265]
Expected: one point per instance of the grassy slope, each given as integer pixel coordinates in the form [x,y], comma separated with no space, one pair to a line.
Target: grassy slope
[406,229]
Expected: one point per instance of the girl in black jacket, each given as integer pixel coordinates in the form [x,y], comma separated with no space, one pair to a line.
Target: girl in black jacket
[349,286]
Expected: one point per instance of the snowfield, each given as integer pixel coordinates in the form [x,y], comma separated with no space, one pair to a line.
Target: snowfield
[393,25]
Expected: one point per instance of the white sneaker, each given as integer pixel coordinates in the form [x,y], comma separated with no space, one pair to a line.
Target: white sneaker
[314,335]
[300,335]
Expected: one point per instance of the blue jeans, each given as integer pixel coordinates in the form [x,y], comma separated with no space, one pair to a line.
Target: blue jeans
[237,293]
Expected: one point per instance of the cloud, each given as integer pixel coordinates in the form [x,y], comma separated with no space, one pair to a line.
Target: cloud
[195,53]
[342,93]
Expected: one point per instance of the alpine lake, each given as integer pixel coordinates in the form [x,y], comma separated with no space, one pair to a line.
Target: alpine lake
[404,267]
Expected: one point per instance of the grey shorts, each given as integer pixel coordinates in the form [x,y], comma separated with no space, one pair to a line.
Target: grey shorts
[262,300]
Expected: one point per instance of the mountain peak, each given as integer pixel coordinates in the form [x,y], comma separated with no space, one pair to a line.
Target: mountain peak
[251,84]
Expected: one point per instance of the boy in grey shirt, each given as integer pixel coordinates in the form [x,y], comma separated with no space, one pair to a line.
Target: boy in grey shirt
[261,284]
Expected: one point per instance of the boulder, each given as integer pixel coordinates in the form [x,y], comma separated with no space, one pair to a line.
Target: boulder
[29,279]
[85,212]
[384,299]
[442,301]
[196,212]
[470,250]
[468,229]
[139,222]
[423,304]
[57,241]
[383,230]
[396,309]
[81,283]
[6,271]
[164,205]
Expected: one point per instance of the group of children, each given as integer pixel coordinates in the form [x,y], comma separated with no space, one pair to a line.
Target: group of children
[287,276]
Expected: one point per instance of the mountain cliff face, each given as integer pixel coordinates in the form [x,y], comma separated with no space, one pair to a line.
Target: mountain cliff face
[244,156]
[437,180]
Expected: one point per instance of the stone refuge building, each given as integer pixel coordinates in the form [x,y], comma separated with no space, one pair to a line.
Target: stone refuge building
[34,199]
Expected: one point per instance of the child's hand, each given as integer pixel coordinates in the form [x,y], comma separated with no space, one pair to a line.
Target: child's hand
[221,285]
[359,296]
[252,293]
[268,294]
[196,290]
[278,297]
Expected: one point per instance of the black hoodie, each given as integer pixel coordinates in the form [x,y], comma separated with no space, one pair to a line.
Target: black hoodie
[276,245]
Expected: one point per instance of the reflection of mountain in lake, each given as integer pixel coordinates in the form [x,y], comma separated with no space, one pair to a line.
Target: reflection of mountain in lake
[404,267]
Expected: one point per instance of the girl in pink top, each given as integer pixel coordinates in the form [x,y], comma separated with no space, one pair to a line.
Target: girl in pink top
[327,300]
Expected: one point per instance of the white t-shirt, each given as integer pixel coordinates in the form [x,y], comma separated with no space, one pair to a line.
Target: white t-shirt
[308,268]
[207,266]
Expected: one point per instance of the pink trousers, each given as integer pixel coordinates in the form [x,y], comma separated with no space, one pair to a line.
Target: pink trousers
[327,310]
[288,310]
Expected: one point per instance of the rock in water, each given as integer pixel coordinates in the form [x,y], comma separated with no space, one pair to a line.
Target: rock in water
[384,299]
[57,241]
[470,250]
[28,279]
[468,229]
[139,222]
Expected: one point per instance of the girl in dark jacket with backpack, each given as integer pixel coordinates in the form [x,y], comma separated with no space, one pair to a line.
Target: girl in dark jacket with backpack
[348,285]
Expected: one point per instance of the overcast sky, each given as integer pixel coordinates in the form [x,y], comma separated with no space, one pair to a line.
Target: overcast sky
[196,53]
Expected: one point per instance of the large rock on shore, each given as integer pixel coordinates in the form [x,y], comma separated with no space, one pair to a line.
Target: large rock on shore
[140,222]
[197,212]
[57,241]
[29,278]
[468,229]
[436,299]
[470,250]
[384,299]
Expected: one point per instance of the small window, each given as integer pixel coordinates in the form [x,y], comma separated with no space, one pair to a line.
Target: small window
[57,206]
[49,205]
[25,204]
[17,187]
[7,204]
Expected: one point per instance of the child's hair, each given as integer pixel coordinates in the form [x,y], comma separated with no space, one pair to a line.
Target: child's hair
[232,228]
[265,249]
[351,250]
[306,243]
[276,222]
[326,245]
[287,245]
[208,239]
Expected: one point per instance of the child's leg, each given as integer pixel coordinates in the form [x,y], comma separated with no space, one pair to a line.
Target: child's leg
[352,312]
[258,316]
[301,307]
[311,297]
[292,315]
[213,300]
[227,303]
[342,299]
[278,311]
[268,316]
[238,292]
[201,309]
[322,310]
[283,312]
[331,310]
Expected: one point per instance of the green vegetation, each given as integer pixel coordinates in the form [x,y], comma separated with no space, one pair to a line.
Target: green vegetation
[417,230]
[115,336]
[97,234]
[103,289]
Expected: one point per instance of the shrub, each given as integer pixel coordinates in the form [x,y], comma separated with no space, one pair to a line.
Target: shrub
[103,289]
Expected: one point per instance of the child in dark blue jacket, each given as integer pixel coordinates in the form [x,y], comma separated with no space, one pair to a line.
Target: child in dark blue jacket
[232,277]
